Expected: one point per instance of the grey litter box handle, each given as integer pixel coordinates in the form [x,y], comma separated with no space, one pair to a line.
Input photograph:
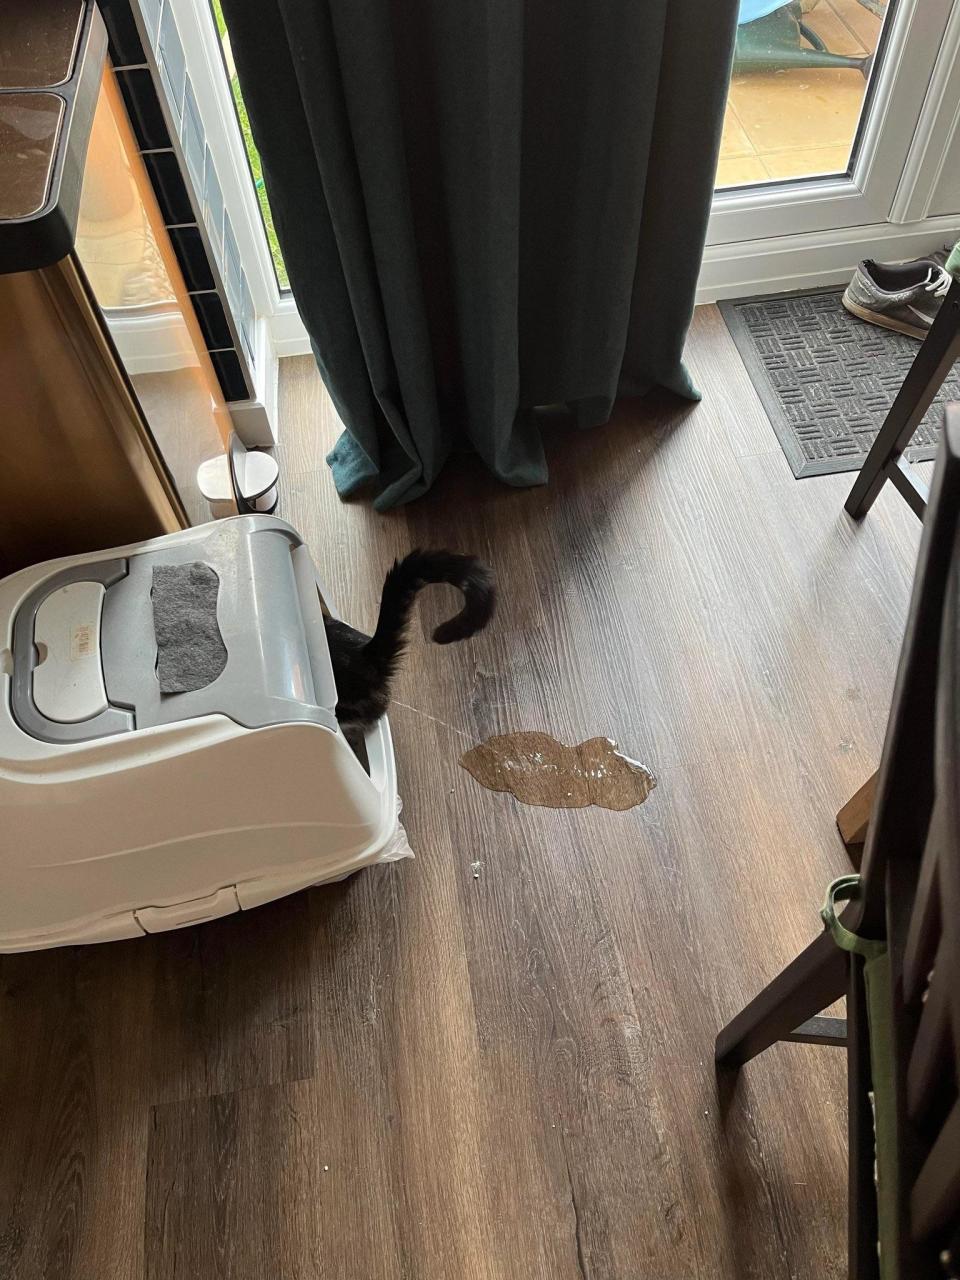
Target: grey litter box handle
[114,719]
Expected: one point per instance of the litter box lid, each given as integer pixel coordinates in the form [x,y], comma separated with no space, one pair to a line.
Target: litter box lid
[85,640]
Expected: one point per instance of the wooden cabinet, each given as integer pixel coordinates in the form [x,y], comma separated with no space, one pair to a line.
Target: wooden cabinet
[108,401]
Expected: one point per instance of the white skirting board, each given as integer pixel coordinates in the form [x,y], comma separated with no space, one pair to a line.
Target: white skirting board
[256,421]
[814,258]
[287,333]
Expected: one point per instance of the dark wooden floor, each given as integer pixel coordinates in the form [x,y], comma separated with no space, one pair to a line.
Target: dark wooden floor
[420,1075]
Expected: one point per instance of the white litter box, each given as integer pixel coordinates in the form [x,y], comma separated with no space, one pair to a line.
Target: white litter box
[125,811]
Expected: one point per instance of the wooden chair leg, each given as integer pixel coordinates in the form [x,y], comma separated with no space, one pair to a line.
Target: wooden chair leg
[934,360]
[854,818]
[814,980]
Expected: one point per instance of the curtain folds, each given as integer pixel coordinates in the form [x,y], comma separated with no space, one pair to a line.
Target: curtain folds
[484,207]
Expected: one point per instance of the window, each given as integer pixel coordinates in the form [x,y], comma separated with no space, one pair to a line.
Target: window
[800,79]
[253,156]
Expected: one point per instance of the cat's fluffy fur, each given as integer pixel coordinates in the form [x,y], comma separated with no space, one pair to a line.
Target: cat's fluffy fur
[364,666]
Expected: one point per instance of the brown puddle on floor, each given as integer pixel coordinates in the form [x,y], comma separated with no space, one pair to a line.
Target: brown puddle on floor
[539,770]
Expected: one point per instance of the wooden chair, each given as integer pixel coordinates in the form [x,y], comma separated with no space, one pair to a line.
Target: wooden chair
[909,899]
[885,461]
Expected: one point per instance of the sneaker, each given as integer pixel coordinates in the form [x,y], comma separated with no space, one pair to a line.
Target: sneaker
[905,297]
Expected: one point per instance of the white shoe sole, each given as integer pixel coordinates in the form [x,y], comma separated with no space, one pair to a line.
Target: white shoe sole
[884,322]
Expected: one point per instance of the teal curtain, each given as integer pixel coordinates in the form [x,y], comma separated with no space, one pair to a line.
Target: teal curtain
[485,206]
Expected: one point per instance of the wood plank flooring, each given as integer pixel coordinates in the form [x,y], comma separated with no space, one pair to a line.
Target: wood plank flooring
[422,1075]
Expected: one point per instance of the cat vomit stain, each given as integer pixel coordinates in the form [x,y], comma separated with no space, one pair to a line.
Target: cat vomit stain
[539,770]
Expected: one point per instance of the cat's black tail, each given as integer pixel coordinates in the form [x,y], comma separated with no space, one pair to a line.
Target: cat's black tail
[417,570]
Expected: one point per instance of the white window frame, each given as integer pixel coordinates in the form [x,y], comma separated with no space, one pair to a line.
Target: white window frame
[936,129]
[865,197]
[201,44]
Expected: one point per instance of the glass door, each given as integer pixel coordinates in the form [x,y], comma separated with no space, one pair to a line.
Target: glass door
[822,108]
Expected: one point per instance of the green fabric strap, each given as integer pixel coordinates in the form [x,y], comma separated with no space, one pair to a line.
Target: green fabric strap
[877,977]
[847,889]
[953,262]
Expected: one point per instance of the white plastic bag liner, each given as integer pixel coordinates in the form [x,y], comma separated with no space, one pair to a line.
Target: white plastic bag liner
[397,847]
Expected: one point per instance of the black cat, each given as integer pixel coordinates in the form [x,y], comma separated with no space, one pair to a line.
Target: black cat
[364,666]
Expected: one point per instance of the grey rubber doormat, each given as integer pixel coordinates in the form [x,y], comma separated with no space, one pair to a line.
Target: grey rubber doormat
[827,379]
